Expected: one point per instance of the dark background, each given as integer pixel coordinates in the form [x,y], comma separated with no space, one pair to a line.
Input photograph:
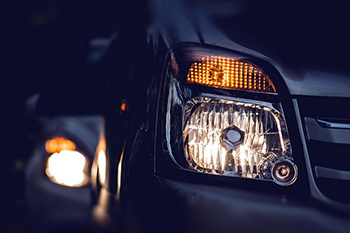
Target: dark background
[45,48]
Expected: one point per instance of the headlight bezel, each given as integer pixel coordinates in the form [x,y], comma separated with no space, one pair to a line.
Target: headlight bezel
[174,74]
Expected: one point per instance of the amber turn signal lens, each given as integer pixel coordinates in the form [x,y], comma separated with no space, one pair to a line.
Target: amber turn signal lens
[57,144]
[123,107]
[224,72]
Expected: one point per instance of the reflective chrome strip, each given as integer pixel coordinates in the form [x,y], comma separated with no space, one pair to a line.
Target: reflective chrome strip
[323,172]
[328,124]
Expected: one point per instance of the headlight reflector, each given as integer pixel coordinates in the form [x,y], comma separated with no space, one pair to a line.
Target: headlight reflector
[238,138]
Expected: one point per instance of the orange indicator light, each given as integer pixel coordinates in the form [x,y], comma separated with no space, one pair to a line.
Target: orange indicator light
[217,71]
[123,107]
[57,144]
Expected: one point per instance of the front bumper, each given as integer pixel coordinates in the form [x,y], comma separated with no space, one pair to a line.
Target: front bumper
[201,208]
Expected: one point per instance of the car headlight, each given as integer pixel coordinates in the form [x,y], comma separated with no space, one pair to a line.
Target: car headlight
[66,166]
[221,120]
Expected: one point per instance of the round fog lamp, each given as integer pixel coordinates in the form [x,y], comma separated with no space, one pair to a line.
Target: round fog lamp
[284,172]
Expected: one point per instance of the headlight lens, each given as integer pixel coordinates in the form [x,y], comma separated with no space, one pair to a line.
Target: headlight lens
[238,138]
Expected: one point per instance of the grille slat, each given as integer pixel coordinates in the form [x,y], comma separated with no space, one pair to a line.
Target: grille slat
[328,147]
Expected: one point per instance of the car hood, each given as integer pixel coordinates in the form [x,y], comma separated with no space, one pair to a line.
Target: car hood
[308,44]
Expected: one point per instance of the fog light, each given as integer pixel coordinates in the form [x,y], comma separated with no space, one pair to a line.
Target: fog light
[284,172]
[67,168]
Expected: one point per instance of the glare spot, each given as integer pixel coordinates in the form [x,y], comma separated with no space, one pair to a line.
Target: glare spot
[67,168]
[102,166]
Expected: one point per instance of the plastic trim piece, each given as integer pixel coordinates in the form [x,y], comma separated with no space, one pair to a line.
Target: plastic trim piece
[315,192]
[323,172]
[330,134]
[337,125]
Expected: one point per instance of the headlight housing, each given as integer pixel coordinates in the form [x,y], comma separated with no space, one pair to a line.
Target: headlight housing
[223,117]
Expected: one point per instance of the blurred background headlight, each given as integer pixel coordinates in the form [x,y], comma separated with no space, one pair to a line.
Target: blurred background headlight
[67,168]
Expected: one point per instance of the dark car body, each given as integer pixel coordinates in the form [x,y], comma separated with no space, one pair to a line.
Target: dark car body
[303,48]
